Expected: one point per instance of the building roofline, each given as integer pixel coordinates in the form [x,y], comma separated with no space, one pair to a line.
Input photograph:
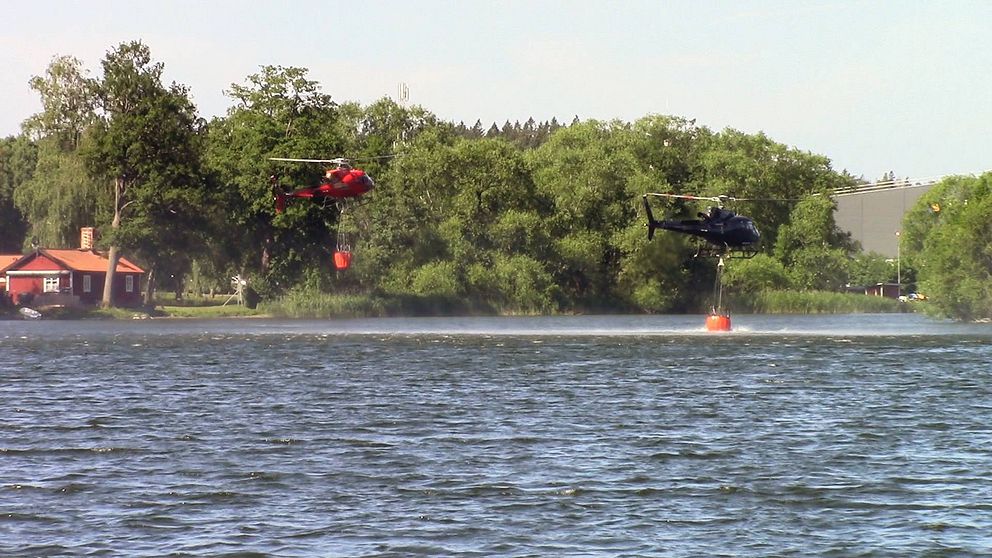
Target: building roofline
[122,261]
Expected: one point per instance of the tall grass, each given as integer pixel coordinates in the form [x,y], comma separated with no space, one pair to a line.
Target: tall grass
[815,302]
[307,303]
[313,304]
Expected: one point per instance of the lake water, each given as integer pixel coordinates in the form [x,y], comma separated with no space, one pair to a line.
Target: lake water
[865,435]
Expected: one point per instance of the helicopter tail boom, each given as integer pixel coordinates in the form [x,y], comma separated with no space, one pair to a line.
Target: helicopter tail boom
[690,227]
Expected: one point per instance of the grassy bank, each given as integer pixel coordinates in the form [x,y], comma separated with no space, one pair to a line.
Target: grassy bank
[229,311]
[84,313]
[166,311]
[310,304]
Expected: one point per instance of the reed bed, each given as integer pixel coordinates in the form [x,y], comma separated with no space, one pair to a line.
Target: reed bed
[816,302]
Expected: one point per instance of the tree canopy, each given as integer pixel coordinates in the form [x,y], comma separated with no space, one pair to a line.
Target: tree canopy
[947,243]
[145,150]
[526,216]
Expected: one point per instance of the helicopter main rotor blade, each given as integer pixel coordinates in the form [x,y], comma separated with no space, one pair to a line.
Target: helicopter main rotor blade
[334,160]
[721,199]
[379,157]
[691,197]
[291,160]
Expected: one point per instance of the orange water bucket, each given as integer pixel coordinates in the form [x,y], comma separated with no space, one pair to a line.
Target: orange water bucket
[717,322]
[342,259]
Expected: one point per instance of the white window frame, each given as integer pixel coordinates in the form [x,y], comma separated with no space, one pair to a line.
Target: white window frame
[129,283]
[51,284]
[87,283]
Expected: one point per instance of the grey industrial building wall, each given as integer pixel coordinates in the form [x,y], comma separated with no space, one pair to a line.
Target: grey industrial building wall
[874,218]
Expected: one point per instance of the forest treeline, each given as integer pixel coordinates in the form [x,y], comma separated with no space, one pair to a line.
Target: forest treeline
[536,217]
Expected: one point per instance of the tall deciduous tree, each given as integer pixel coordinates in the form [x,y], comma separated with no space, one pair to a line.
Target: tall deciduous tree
[60,197]
[812,248]
[146,146]
[753,166]
[18,158]
[68,103]
[593,178]
[278,112]
[946,238]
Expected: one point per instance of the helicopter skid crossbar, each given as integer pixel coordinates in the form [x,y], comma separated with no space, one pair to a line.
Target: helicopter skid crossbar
[725,252]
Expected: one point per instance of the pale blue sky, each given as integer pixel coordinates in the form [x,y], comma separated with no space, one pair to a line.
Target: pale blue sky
[875,86]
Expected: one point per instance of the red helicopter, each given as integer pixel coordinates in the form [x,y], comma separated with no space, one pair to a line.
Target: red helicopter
[340,182]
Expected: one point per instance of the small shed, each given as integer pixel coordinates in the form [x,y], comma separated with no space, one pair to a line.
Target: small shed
[889,290]
[69,277]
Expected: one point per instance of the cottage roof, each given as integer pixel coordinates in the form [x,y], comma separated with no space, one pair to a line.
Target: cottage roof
[7,259]
[78,260]
[90,260]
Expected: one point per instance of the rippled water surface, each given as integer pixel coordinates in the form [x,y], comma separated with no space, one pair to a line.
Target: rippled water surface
[580,436]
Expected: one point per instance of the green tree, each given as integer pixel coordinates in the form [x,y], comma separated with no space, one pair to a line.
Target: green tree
[60,196]
[146,146]
[517,284]
[469,203]
[958,274]
[437,278]
[278,112]
[662,275]
[946,237]
[68,104]
[939,206]
[403,214]
[593,179]
[870,269]
[753,275]
[658,276]
[812,248]
[774,176]
[18,158]
[674,148]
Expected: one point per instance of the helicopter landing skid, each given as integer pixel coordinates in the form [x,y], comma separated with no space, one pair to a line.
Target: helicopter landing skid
[725,252]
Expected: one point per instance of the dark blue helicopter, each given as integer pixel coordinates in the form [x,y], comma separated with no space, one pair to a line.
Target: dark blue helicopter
[727,233]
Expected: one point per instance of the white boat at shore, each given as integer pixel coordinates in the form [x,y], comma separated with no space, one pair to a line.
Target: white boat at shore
[30,313]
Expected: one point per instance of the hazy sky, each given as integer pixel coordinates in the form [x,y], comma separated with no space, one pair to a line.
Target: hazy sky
[875,86]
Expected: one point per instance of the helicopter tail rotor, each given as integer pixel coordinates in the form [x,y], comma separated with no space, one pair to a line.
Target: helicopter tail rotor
[652,223]
[278,194]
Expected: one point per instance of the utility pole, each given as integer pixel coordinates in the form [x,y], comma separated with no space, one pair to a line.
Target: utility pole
[898,264]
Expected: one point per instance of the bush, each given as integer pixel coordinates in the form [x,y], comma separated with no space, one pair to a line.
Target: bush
[760,273]
[436,279]
[520,285]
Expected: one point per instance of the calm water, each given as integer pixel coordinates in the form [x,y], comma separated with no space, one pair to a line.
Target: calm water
[582,436]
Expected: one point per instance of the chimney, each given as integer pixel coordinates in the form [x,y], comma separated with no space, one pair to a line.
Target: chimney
[86,238]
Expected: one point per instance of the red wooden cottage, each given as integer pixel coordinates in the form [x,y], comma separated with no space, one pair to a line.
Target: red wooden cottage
[68,277]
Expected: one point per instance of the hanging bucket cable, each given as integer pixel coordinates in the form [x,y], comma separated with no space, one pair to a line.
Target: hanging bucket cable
[342,248]
[718,320]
